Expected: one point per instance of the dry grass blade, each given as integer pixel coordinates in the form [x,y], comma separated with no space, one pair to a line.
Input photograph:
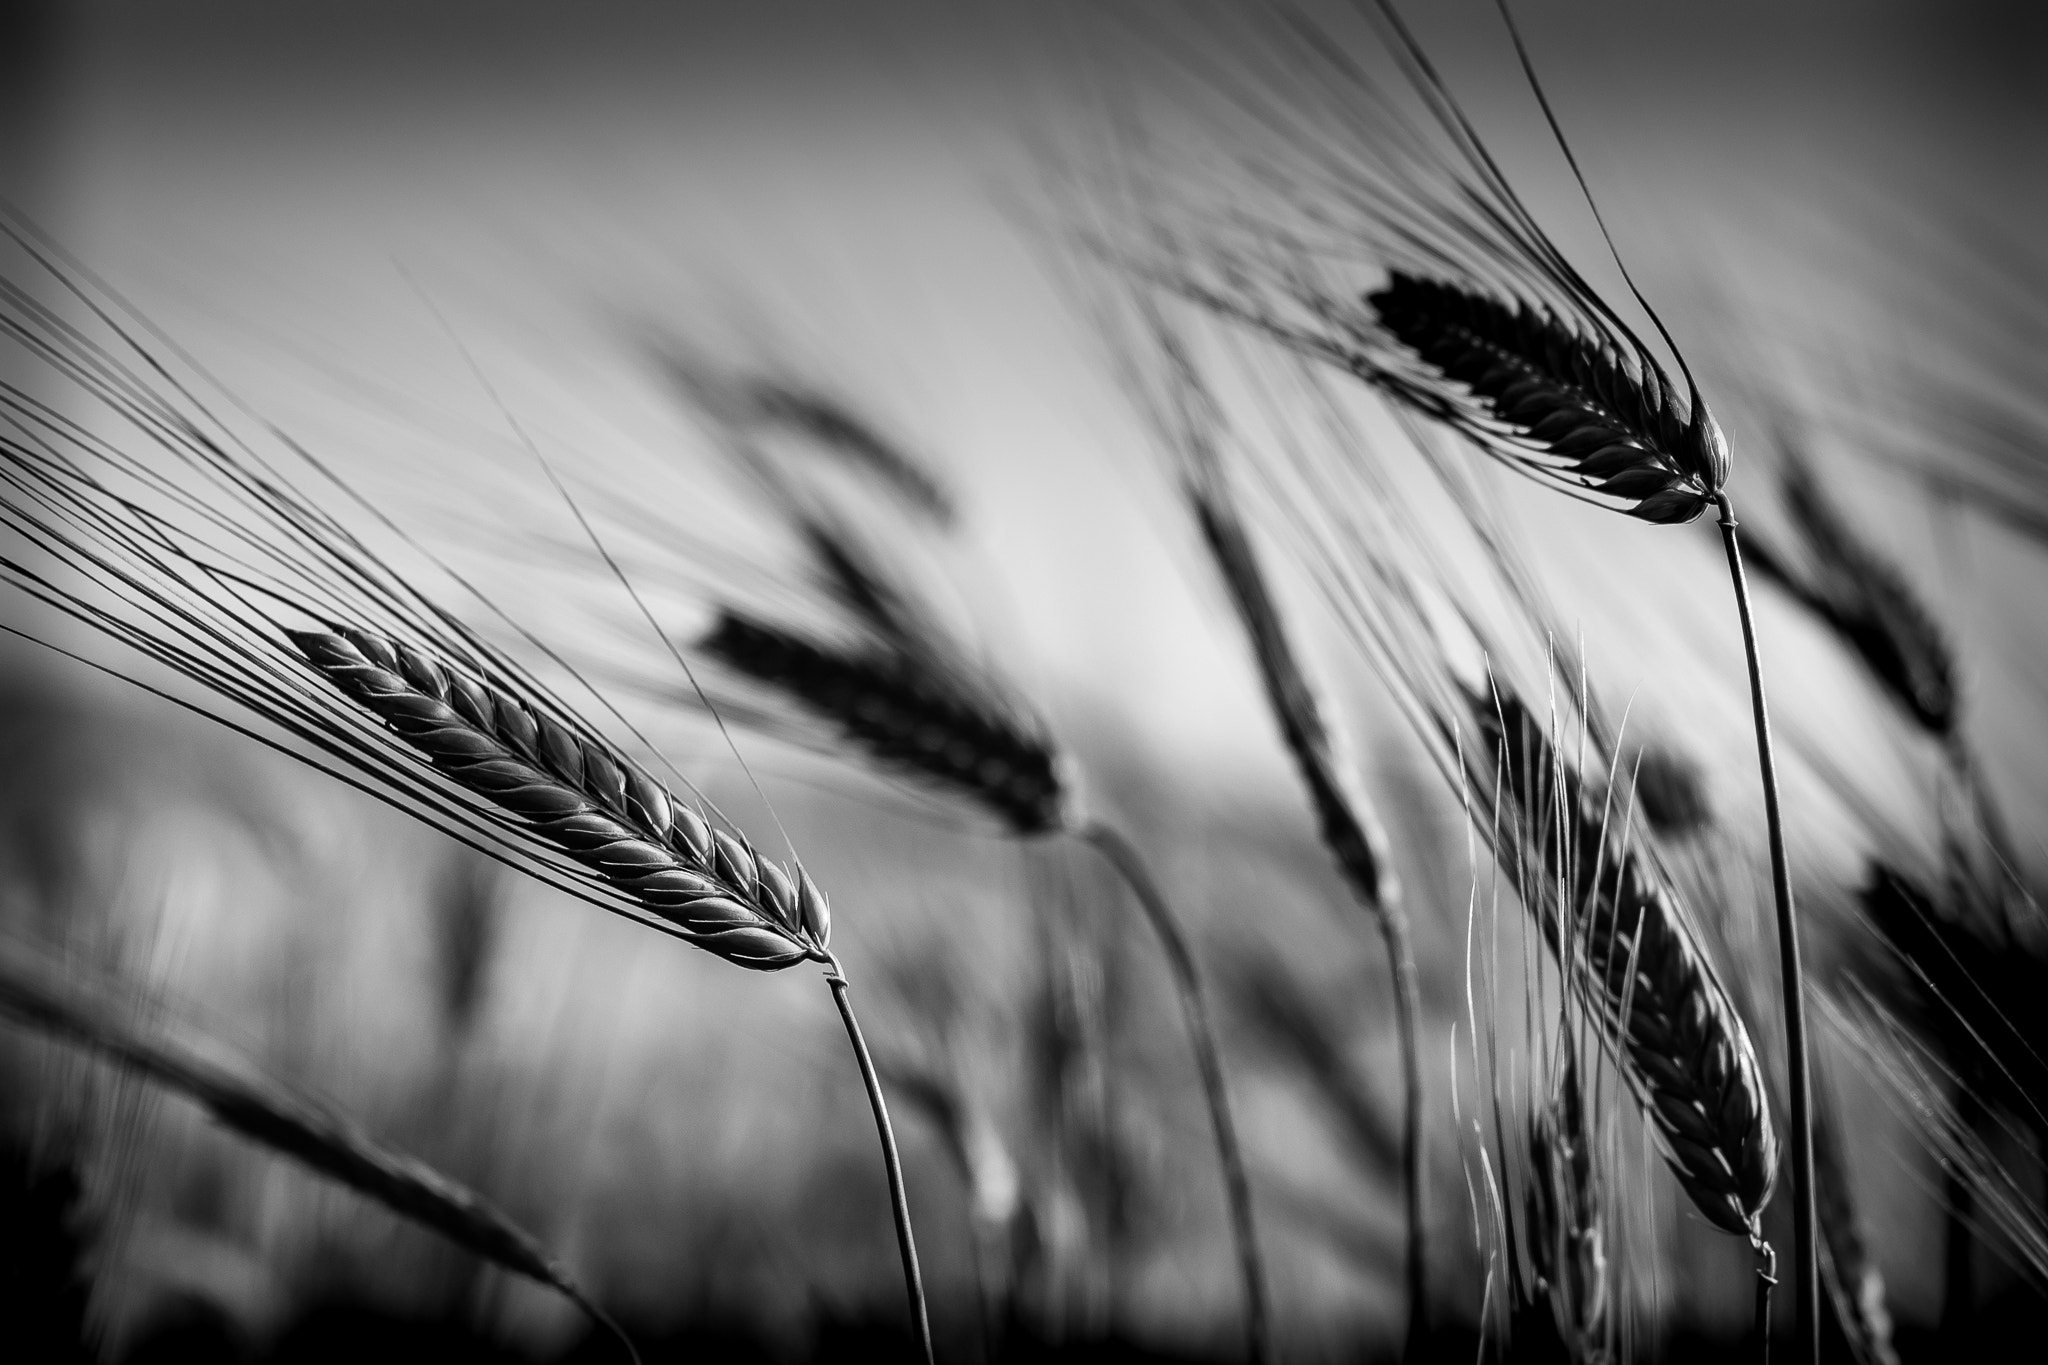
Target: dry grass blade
[1479,323]
[172,533]
[1613,920]
[64,1005]
[578,795]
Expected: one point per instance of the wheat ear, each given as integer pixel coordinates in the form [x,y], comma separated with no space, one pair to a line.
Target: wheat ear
[1567,1249]
[265,1111]
[907,714]
[1570,406]
[1349,831]
[583,798]
[1613,921]
[595,805]
[907,717]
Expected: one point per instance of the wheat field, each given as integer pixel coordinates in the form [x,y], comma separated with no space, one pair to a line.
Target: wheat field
[1155,548]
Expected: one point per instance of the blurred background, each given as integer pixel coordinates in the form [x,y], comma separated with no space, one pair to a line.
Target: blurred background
[405,233]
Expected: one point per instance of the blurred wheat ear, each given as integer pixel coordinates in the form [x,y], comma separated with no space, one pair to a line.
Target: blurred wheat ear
[41,995]
[1563,1213]
[1349,828]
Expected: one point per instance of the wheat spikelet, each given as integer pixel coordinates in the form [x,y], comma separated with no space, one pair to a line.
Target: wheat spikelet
[579,796]
[909,718]
[1613,919]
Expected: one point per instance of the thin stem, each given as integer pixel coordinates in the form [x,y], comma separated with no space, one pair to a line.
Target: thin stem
[899,1200]
[1805,1260]
[1122,856]
[604,1321]
[1766,1281]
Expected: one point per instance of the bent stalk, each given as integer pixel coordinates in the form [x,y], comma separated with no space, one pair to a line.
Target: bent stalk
[899,1199]
[1122,856]
[1805,1262]
[1347,831]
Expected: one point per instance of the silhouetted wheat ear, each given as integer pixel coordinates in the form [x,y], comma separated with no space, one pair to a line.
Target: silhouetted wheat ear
[903,716]
[580,797]
[1631,955]
[1589,415]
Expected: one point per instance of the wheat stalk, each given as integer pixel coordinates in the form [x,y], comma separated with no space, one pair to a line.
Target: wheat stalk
[1481,324]
[1615,430]
[67,1006]
[593,804]
[166,529]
